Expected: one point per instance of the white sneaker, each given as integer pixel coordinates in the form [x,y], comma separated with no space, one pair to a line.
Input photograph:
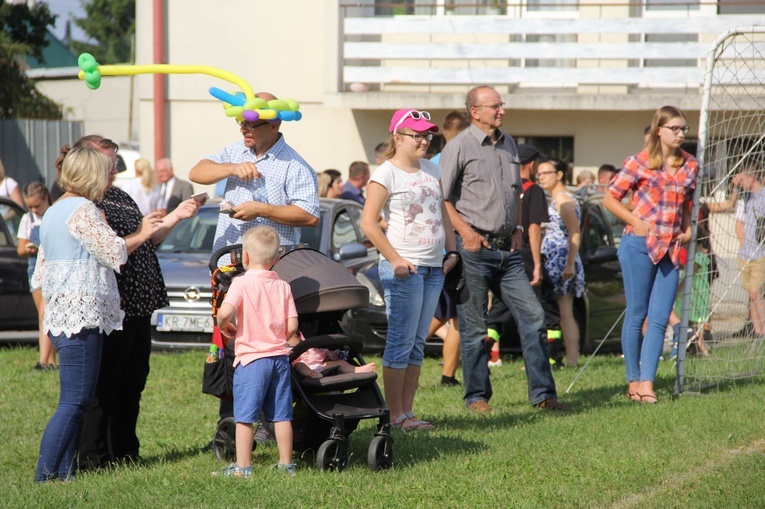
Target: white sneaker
[495,364]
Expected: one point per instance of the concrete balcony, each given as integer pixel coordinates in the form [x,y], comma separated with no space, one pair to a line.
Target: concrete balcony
[572,56]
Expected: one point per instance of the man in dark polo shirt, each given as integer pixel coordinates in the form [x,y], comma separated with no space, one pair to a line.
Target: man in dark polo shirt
[482,186]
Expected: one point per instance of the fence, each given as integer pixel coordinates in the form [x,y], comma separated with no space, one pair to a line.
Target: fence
[727,312]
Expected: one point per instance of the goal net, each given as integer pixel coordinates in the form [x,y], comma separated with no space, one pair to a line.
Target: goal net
[723,304]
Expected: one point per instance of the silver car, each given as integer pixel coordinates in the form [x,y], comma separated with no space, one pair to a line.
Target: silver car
[185,256]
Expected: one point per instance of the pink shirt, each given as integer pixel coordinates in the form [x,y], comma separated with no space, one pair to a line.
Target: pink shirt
[263,305]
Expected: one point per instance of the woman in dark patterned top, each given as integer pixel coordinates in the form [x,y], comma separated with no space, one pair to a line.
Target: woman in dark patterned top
[109,431]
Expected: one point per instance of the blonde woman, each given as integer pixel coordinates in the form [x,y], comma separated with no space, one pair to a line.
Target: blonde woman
[143,188]
[406,190]
[662,178]
[78,256]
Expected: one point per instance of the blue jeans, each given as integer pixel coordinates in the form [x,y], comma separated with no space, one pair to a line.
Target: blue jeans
[79,358]
[410,304]
[650,290]
[503,273]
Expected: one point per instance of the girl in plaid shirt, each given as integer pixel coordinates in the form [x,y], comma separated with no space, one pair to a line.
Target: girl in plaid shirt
[662,178]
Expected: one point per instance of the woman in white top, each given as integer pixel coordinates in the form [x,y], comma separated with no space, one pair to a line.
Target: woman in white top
[9,188]
[406,189]
[37,200]
[75,269]
[143,188]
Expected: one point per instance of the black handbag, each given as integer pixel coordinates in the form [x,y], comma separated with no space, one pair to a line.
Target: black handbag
[218,376]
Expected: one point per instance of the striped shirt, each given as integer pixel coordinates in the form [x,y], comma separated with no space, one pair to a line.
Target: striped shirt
[483,180]
[658,199]
[286,180]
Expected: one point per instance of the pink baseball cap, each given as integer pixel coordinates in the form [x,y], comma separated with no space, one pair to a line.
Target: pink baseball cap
[413,119]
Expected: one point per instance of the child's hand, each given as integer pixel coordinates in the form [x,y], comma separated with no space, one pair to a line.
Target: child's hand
[229,330]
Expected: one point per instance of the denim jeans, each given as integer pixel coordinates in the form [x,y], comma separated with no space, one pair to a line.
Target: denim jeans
[503,273]
[650,290]
[410,304]
[79,358]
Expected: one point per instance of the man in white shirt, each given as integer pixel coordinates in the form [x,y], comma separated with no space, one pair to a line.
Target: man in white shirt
[172,190]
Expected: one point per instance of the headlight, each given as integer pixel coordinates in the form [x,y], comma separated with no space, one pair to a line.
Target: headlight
[375,298]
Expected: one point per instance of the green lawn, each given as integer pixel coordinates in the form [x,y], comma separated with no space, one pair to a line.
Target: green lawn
[695,451]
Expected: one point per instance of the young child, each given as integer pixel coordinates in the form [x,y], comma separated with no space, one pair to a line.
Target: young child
[265,318]
[314,361]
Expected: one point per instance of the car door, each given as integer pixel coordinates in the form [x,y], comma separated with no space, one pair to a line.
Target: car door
[17,309]
[602,270]
[347,244]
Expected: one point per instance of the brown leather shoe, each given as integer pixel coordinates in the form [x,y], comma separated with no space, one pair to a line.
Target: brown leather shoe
[553,405]
[479,406]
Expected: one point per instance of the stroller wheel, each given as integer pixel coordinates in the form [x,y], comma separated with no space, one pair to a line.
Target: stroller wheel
[380,456]
[332,455]
[224,441]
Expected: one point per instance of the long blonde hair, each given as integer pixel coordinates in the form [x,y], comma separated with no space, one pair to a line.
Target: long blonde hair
[653,147]
[144,170]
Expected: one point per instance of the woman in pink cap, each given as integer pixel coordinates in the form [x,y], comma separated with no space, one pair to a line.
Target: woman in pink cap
[406,190]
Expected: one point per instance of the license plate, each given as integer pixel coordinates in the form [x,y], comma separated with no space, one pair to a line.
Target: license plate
[184,323]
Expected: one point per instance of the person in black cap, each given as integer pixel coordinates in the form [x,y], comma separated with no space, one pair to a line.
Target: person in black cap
[533,214]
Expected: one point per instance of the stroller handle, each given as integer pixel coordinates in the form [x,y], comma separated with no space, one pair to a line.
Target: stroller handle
[224,251]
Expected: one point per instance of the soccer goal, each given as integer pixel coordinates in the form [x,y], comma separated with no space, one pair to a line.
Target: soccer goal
[723,309]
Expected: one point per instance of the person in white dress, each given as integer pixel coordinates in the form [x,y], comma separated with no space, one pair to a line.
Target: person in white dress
[143,188]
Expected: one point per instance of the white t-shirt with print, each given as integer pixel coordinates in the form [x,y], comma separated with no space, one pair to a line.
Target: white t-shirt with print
[7,186]
[413,212]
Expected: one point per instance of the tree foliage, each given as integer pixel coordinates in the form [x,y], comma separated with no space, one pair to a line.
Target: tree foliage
[111,23]
[22,32]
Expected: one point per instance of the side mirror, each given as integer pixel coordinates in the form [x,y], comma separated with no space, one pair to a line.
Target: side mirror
[603,254]
[350,251]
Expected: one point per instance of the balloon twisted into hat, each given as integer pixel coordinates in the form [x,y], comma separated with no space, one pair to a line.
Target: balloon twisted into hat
[240,105]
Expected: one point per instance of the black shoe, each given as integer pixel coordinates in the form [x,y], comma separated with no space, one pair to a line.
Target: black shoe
[449,381]
[40,367]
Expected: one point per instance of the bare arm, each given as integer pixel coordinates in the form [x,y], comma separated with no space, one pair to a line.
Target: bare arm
[535,242]
[685,226]
[16,197]
[290,215]
[226,314]
[377,195]
[292,327]
[185,210]
[567,211]
[210,172]
[740,231]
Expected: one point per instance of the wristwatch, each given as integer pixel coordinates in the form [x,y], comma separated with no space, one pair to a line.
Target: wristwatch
[519,228]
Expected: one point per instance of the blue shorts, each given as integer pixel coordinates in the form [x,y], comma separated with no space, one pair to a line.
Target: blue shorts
[263,384]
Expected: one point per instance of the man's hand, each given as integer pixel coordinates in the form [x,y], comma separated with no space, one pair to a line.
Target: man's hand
[245,171]
[473,241]
[516,240]
[247,211]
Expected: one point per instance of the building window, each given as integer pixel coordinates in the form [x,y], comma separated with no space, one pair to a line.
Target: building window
[737,7]
[670,62]
[672,5]
[552,5]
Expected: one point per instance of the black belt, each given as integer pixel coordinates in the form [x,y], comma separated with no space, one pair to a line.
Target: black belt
[500,241]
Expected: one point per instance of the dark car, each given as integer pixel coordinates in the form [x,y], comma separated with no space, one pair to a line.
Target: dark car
[602,305]
[596,312]
[17,309]
[185,254]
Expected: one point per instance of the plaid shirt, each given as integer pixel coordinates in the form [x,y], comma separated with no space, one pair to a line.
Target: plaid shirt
[658,198]
[287,180]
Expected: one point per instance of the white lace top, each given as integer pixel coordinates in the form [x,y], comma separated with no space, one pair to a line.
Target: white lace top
[75,269]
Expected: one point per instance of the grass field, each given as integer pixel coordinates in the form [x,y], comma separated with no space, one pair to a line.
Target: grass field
[690,452]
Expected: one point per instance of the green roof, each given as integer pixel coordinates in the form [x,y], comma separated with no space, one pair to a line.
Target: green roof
[55,54]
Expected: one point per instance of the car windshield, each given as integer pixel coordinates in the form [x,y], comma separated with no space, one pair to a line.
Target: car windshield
[312,235]
[195,235]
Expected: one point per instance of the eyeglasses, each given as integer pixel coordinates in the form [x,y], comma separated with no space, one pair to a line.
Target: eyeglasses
[416,115]
[677,128]
[114,165]
[492,106]
[249,126]
[418,137]
[546,173]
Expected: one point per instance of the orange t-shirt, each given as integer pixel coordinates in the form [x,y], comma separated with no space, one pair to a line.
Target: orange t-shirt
[263,305]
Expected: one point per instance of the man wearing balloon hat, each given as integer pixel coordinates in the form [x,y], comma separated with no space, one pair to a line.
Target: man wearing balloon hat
[267,183]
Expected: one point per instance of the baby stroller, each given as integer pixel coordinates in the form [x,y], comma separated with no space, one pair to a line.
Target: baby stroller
[326,410]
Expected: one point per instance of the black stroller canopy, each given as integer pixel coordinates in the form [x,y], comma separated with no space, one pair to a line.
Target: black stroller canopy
[320,284]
